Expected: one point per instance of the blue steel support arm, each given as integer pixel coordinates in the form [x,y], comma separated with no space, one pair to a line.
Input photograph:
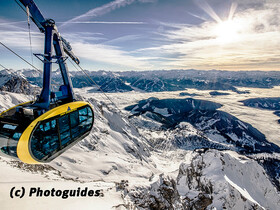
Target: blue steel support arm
[58,47]
[52,37]
[37,16]
[44,99]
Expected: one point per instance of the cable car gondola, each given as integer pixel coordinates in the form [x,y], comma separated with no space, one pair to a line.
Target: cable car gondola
[40,130]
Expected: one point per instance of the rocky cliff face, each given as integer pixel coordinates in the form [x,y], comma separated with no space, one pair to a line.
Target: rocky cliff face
[210,179]
[15,83]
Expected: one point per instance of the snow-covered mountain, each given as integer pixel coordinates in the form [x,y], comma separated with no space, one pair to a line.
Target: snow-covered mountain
[263,103]
[222,129]
[115,85]
[170,154]
[30,73]
[14,82]
[209,180]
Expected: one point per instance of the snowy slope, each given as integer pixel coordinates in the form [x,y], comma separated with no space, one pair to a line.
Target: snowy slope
[14,174]
[9,99]
[113,148]
[138,164]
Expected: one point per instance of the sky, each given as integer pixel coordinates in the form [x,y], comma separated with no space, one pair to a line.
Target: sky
[122,35]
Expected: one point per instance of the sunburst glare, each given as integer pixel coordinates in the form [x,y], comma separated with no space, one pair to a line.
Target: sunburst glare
[227,31]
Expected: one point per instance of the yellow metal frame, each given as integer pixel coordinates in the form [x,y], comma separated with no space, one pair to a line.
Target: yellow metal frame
[23,149]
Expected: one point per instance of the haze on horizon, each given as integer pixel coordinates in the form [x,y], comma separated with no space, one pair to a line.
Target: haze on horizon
[121,35]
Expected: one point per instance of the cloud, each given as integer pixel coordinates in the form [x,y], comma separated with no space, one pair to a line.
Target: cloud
[10,23]
[147,1]
[84,36]
[15,35]
[172,45]
[108,22]
[104,52]
[123,39]
[256,45]
[104,9]
[255,2]
[108,54]
[17,38]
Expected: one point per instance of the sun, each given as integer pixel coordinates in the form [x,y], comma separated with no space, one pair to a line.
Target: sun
[227,31]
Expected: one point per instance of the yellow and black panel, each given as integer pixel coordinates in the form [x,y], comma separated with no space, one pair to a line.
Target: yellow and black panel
[54,132]
[49,135]
[11,129]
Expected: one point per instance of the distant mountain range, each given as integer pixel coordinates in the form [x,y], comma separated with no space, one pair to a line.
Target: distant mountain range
[165,80]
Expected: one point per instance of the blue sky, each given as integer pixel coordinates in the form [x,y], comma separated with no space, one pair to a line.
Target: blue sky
[120,35]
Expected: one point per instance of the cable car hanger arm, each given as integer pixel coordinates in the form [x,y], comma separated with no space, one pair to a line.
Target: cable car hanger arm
[40,21]
[53,40]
